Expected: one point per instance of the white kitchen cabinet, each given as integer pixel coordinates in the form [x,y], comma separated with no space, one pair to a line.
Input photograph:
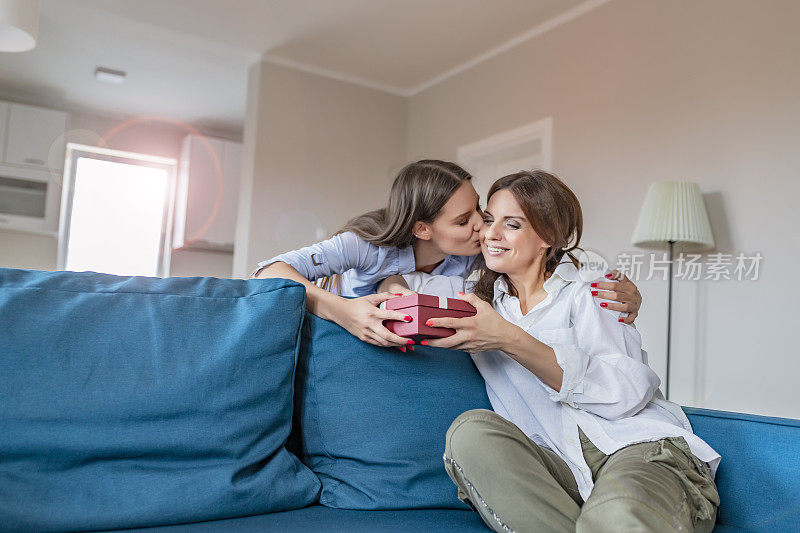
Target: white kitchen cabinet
[207,195]
[3,128]
[29,200]
[225,227]
[31,134]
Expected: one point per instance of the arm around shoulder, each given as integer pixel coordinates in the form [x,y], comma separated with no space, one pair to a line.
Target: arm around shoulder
[604,371]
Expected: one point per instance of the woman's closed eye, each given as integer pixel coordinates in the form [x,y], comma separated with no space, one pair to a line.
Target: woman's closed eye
[511,224]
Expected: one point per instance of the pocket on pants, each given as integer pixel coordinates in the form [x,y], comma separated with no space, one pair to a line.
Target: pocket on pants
[673,453]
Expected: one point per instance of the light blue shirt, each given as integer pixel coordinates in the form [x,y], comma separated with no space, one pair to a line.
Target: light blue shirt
[361,264]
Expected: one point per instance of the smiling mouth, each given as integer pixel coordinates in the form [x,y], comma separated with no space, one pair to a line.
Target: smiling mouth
[495,250]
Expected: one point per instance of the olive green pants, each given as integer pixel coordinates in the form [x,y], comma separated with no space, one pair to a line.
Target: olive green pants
[517,485]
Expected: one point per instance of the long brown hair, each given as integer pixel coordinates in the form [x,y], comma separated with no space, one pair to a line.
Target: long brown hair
[553,211]
[418,193]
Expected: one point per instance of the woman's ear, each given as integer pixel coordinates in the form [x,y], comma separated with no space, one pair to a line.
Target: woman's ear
[422,231]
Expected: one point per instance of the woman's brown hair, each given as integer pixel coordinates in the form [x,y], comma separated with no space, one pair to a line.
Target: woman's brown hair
[553,211]
[418,193]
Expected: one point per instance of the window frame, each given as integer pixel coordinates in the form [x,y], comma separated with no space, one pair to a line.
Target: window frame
[78,151]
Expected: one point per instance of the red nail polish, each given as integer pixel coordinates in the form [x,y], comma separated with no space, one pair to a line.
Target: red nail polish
[402,349]
[608,275]
[410,341]
[424,343]
[411,348]
[622,320]
[603,304]
[593,285]
[460,293]
[594,293]
[408,318]
[429,323]
[397,294]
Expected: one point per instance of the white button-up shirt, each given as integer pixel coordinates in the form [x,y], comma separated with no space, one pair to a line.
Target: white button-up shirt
[608,389]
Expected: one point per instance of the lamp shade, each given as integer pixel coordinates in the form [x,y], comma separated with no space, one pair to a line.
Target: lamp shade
[673,211]
[19,25]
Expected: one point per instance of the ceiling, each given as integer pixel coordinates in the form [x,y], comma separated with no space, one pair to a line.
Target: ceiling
[188,59]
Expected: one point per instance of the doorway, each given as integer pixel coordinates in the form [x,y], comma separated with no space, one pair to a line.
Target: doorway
[525,148]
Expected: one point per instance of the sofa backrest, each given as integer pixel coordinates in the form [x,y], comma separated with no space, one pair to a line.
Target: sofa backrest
[759,476]
[132,401]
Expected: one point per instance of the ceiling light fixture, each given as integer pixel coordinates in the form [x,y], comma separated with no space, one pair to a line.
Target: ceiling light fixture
[19,25]
[109,75]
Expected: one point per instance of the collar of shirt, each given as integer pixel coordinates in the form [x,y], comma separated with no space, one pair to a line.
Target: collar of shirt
[452,265]
[455,265]
[564,274]
[405,260]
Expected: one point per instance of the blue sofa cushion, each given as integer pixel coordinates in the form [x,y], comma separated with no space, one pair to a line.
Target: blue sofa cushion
[373,420]
[131,401]
[759,476]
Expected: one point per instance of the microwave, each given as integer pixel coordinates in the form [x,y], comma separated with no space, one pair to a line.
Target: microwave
[30,199]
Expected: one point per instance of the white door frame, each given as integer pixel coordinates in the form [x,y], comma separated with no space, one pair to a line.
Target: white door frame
[476,155]
[539,130]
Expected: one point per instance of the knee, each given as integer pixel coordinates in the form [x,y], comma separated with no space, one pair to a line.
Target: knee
[471,416]
[624,513]
[470,422]
[467,435]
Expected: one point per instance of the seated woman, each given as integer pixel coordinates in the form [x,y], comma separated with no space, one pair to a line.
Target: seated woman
[579,437]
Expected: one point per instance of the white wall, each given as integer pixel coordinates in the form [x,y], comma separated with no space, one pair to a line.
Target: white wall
[647,90]
[316,153]
[152,137]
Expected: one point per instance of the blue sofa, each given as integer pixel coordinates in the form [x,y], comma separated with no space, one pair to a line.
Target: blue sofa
[759,491]
[201,404]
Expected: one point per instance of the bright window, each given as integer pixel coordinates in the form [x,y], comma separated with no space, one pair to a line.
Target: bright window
[116,214]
